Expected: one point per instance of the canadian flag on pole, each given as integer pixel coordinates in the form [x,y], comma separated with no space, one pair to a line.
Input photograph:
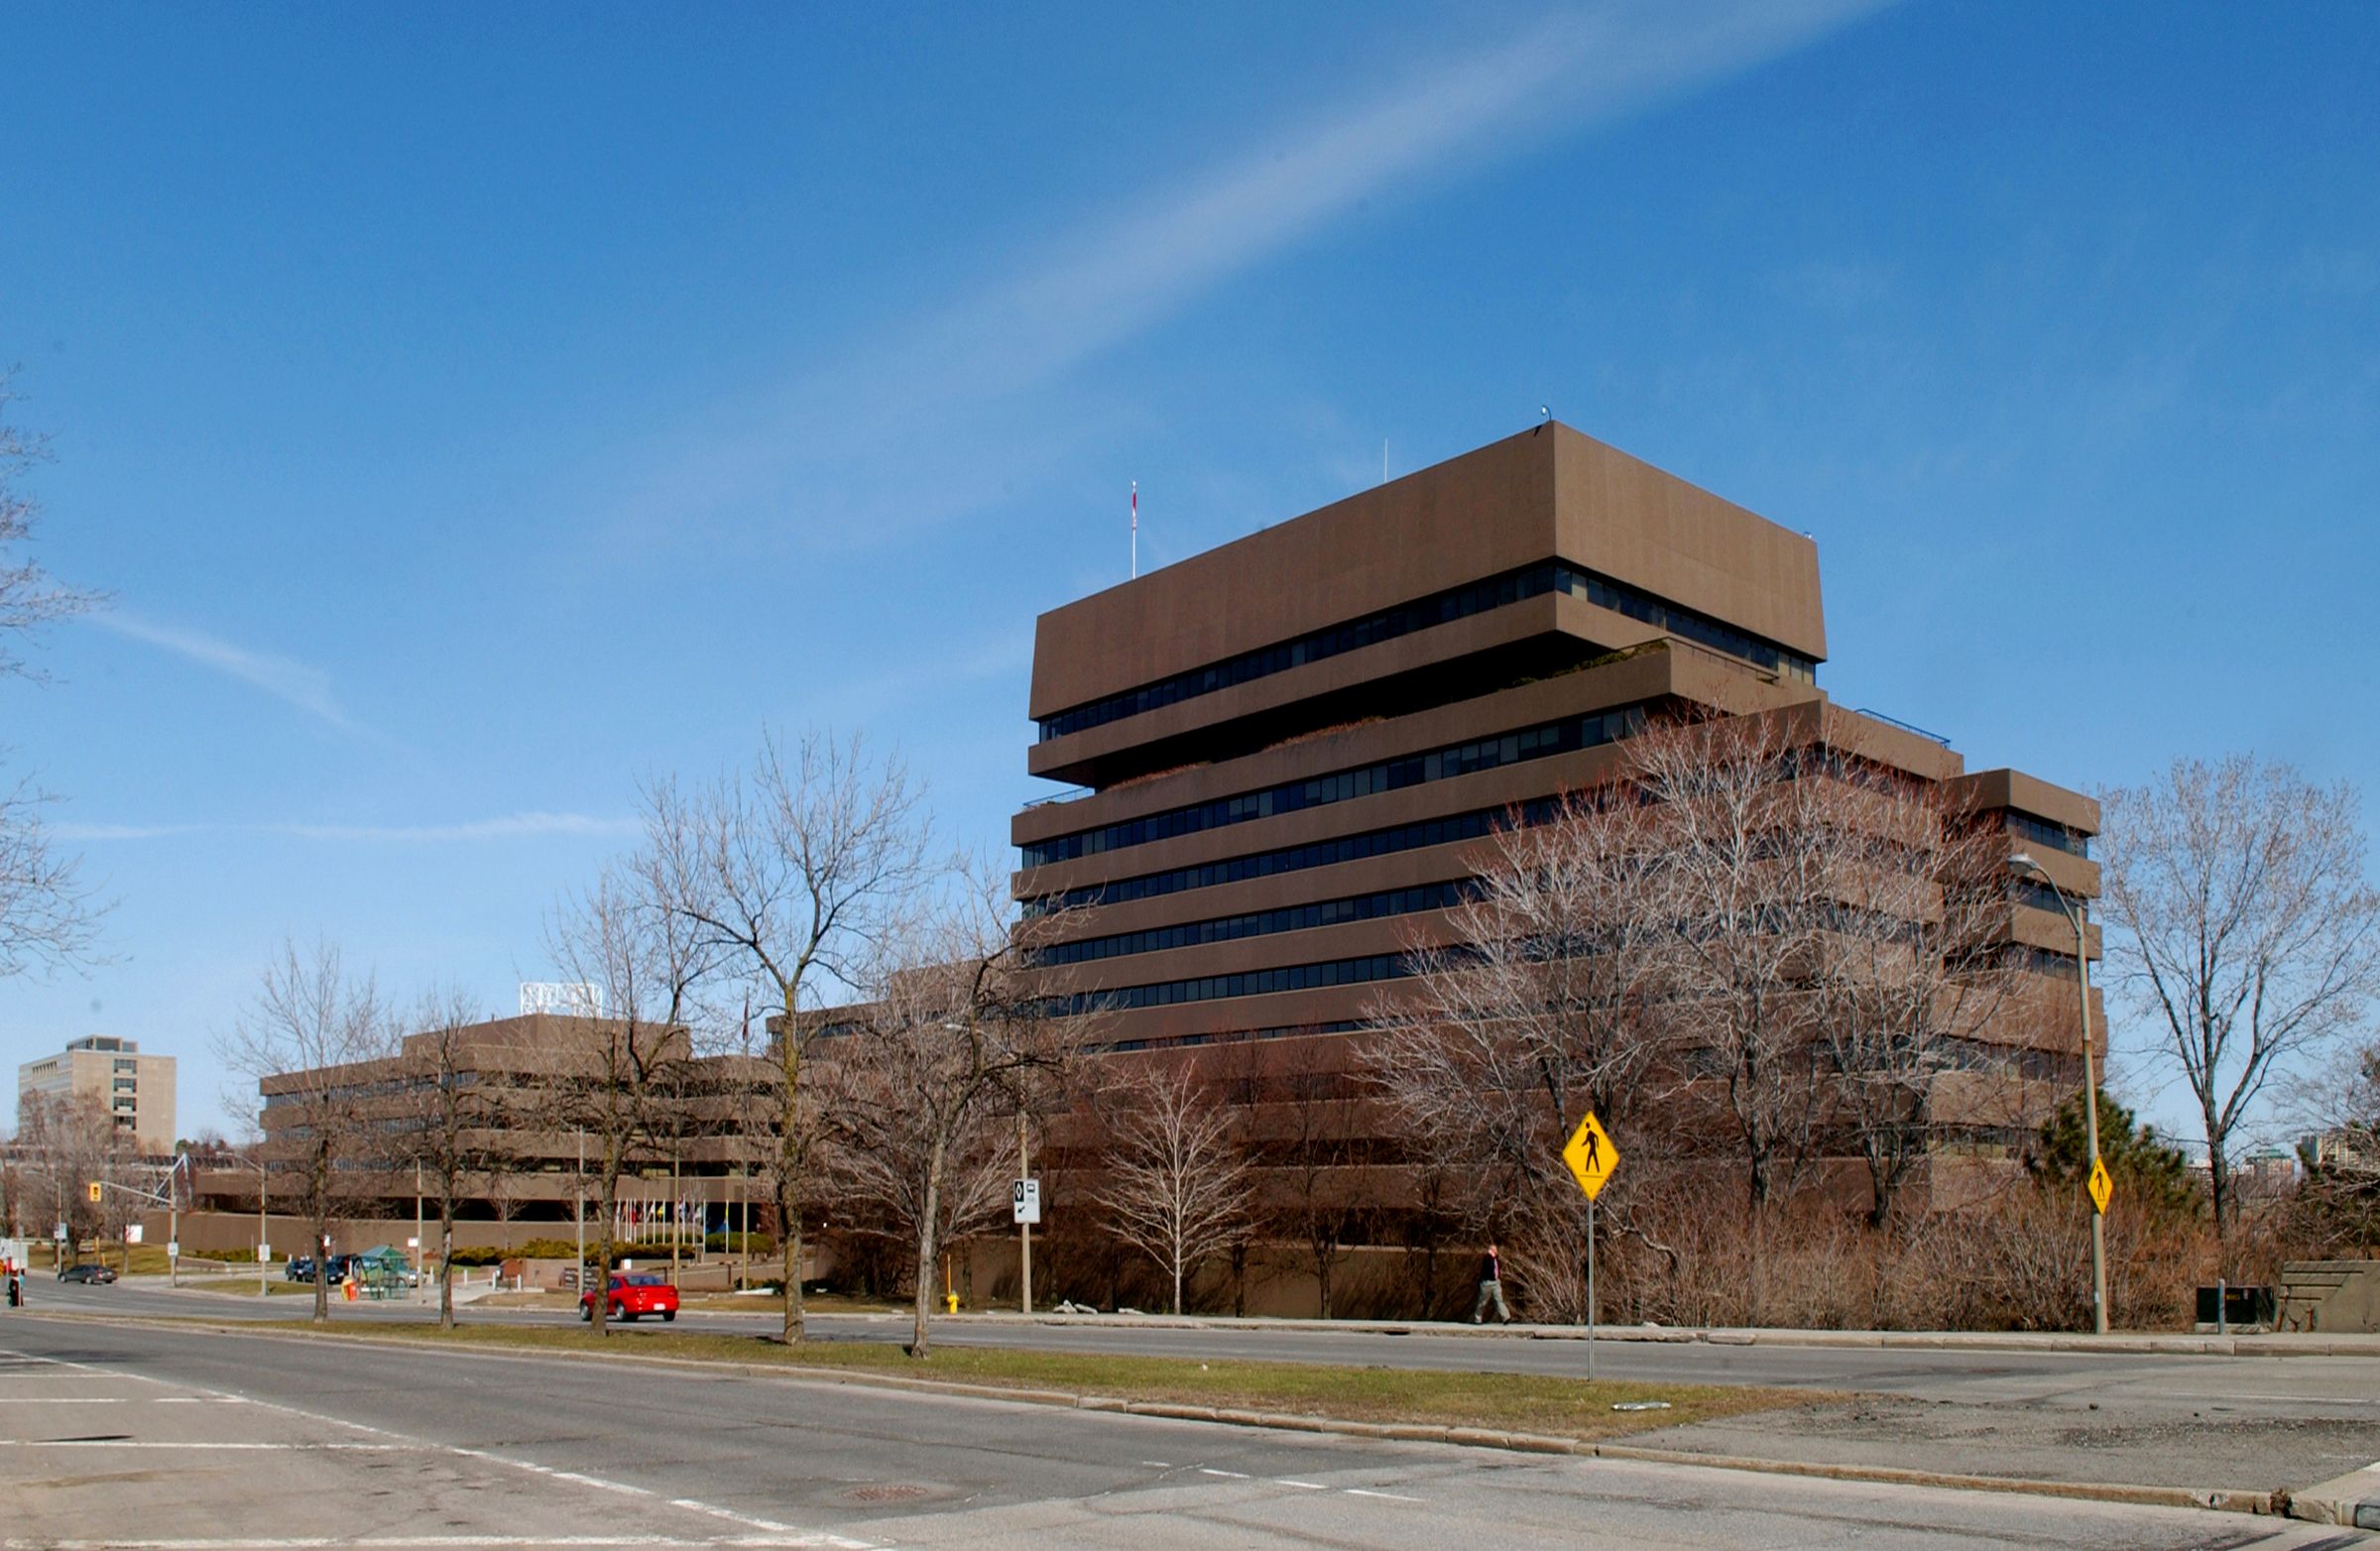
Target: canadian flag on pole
[1135,527]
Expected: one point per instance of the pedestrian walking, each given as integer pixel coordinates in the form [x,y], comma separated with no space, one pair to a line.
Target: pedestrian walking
[1492,1289]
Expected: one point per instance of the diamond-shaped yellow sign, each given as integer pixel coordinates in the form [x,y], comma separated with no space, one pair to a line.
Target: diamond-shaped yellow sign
[1591,1155]
[2101,1187]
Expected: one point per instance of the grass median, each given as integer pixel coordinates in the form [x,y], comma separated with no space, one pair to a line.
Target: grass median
[1504,1402]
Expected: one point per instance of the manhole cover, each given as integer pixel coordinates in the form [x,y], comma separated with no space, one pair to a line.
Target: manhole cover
[886,1493]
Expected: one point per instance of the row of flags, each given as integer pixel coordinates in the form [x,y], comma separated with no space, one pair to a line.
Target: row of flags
[635,1219]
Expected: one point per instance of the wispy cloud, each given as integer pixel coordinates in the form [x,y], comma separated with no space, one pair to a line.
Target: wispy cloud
[533,825]
[920,423]
[84,832]
[286,679]
[512,826]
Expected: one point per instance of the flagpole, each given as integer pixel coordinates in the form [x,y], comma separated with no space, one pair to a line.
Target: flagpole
[1136,530]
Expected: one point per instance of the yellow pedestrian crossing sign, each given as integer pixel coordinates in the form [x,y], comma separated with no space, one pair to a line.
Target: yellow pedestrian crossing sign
[2101,1187]
[1591,1155]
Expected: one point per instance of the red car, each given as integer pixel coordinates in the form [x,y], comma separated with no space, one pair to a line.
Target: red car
[630,1298]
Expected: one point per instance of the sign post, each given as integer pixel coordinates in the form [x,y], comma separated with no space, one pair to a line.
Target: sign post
[1025,1199]
[1591,1158]
[1024,1202]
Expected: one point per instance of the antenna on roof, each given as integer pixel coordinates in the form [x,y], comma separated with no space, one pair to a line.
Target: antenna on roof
[1136,530]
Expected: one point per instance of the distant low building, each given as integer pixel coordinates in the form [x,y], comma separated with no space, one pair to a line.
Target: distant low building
[531,1174]
[136,1090]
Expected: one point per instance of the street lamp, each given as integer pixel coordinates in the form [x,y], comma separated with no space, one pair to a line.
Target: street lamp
[2024,865]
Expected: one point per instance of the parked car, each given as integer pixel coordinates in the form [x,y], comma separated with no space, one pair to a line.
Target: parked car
[299,1269]
[99,1275]
[632,1297]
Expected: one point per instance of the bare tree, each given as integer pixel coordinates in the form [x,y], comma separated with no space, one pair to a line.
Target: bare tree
[452,1114]
[1913,961]
[1314,1202]
[69,1144]
[310,1025]
[955,1037]
[1177,1188]
[1743,886]
[48,918]
[629,1071]
[800,866]
[2248,932]
[1539,1008]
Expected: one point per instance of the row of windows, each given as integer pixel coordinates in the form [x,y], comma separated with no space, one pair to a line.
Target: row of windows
[1230,1037]
[1536,742]
[1387,625]
[1297,859]
[1253,983]
[1686,622]
[1438,609]
[1974,1055]
[2042,896]
[1260,923]
[127,1085]
[2072,841]
[2041,961]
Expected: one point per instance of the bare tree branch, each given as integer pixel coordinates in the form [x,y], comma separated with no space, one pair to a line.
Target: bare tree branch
[2248,932]
[795,869]
[1179,1188]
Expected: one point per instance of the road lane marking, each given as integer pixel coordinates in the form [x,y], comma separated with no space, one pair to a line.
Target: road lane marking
[1204,1470]
[662,1542]
[1392,1496]
[2282,1399]
[1303,1486]
[256,1448]
[785,1534]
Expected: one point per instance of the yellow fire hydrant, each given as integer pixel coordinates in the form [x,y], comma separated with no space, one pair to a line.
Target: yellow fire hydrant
[951,1301]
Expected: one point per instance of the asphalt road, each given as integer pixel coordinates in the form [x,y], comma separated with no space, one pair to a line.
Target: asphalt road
[2168,1382]
[181,1440]
[2254,1423]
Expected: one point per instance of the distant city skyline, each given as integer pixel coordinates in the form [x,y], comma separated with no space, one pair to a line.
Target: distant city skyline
[469,416]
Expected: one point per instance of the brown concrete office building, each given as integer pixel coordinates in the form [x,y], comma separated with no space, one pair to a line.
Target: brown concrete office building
[1292,744]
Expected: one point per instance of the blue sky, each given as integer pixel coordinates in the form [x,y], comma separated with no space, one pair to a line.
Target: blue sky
[472,412]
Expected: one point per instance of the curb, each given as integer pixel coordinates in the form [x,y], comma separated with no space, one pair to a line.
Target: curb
[2352,1499]
[1722,1335]
[2304,1505]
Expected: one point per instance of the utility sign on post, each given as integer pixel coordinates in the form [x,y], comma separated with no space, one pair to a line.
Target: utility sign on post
[1025,1198]
[1591,1155]
[2101,1187]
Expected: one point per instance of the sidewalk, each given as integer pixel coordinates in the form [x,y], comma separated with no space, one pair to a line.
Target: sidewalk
[2145,1343]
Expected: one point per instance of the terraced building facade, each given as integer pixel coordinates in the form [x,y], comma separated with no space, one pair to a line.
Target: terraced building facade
[1287,750]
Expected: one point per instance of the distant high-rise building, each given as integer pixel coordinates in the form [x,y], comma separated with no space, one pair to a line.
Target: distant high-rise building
[136,1090]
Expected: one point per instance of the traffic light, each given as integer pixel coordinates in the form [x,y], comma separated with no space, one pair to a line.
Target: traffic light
[93,1187]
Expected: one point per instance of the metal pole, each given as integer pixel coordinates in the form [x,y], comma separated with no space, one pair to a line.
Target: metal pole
[173,1224]
[420,1255]
[2091,1110]
[1025,1170]
[579,1215]
[263,1232]
[1591,1286]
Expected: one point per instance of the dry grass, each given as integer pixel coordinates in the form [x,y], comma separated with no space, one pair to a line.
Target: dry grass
[1512,1402]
